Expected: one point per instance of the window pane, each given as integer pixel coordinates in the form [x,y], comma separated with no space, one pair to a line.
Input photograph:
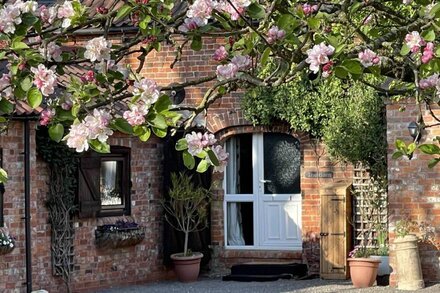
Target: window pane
[111,181]
[282,161]
[240,223]
[239,169]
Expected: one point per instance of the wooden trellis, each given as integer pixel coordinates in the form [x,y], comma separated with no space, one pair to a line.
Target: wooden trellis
[369,211]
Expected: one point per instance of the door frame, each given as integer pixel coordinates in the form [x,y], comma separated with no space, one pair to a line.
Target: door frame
[256,199]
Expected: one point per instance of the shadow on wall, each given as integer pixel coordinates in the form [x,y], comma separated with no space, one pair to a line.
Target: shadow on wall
[429,256]
[311,252]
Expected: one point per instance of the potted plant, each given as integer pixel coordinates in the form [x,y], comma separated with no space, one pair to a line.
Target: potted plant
[186,211]
[382,253]
[409,269]
[120,234]
[363,268]
[7,243]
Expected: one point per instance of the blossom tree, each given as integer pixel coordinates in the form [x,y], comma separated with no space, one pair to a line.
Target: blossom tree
[391,46]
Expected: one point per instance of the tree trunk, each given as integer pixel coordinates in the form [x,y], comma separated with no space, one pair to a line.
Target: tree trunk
[185,248]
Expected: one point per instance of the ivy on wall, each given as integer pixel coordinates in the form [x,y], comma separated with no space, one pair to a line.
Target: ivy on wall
[62,163]
[347,115]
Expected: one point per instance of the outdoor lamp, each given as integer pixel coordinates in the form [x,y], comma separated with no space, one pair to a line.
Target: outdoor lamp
[414,130]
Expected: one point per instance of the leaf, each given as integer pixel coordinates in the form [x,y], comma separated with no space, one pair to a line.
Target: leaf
[404,50]
[256,11]
[6,107]
[123,12]
[146,135]
[265,56]
[34,97]
[341,72]
[18,45]
[181,144]
[428,36]
[188,160]
[213,158]
[196,43]
[159,122]
[397,155]
[122,125]
[162,103]
[314,23]
[26,83]
[100,147]
[161,133]
[430,149]
[3,176]
[352,66]
[400,145]
[433,162]
[287,22]
[64,115]
[56,132]
[144,23]
[411,148]
[202,166]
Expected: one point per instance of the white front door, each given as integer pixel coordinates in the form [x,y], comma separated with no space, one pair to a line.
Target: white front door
[275,194]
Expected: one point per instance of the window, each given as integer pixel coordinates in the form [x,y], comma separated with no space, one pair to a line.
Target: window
[104,183]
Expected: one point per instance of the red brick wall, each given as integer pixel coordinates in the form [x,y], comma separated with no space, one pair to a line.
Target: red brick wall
[93,268]
[414,189]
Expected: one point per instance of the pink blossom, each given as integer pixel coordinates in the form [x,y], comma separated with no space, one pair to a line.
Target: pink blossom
[44,79]
[242,62]
[147,90]
[367,19]
[226,71]
[198,141]
[98,125]
[201,9]
[135,116]
[222,157]
[89,76]
[429,82]
[327,69]
[77,137]
[238,8]
[66,12]
[414,41]
[368,58]
[309,9]
[318,55]
[9,18]
[67,104]
[428,53]
[46,116]
[220,54]
[5,86]
[191,24]
[98,49]
[51,52]
[274,34]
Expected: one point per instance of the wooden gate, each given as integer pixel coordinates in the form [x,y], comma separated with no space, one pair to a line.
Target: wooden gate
[335,230]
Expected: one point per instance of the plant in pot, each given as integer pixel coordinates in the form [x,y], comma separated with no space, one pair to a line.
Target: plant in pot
[382,253]
[363,268]
[186,211]
[7,243]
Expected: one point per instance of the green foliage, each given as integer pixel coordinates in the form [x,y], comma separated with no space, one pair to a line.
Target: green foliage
[187,208]
[347,115]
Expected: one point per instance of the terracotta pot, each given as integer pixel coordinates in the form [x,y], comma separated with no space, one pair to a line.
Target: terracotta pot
[363,271]
[187,268]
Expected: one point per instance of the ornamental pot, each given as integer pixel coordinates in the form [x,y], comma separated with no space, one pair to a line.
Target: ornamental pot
[409,269]
[363,271]
[384,266]
[187,268]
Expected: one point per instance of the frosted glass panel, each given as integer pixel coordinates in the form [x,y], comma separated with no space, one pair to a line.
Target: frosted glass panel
[282,161]
[111,176]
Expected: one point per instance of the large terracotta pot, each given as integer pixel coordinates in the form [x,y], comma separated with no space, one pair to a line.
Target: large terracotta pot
[363,271]
[187,268]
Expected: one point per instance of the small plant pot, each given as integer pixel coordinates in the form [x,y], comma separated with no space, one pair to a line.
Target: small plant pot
[384,266]
[363,271]
[187,268]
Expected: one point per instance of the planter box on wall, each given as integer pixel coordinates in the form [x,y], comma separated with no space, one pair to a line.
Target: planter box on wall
[6,249]
[106,237]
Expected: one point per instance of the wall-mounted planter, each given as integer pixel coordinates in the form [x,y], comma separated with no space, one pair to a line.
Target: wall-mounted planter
[108,237]
[6,249]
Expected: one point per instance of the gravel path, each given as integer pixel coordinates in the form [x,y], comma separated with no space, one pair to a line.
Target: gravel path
[281,286]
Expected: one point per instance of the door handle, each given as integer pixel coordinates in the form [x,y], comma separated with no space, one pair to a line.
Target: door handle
[323,234]
[265,181]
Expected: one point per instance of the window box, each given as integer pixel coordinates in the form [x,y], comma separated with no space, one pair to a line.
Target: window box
[112,236]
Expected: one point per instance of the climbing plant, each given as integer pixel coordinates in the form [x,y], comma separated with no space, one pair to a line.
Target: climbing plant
[62,163]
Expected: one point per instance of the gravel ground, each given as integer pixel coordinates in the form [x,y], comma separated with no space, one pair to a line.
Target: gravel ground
[281,286]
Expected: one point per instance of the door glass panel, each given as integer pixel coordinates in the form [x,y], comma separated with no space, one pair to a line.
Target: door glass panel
[282,161]
[111,182]
[239,169]
[240,223]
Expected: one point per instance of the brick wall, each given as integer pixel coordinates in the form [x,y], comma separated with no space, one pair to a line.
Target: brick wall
[93,268]
[414,189]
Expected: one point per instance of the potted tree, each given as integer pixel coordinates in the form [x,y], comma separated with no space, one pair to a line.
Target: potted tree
[186,211]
